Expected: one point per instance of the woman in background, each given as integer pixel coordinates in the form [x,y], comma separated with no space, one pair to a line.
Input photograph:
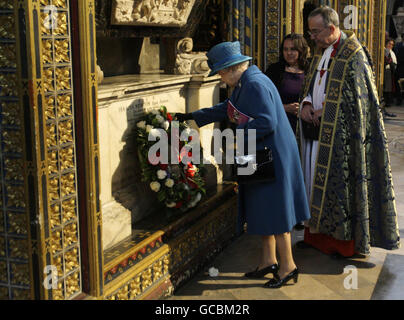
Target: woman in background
[288,76]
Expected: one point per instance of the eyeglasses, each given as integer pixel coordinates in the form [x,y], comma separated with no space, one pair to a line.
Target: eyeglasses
[316,32]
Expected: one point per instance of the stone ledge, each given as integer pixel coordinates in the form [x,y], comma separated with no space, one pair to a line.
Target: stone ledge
[177,248]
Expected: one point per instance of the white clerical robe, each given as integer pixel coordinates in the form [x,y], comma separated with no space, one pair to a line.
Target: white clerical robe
[316,98]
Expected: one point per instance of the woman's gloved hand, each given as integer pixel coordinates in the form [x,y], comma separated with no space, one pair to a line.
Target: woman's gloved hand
[183,116]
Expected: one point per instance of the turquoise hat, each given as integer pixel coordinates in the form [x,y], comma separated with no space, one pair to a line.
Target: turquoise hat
[224,55]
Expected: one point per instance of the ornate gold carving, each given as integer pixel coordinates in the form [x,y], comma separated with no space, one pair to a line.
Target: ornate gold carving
[157,270]
[123,293]
[147,279]
[69,209]
[72,284]
[59,3]
[50,108]
[63,78]
[53,189]
[67,184]
[51,138]
[10,114]
[55,216]
[135,288]
[8,84]
[56,242]
[70,235]
[166,264]
[64,105]
[62,51]
[58,262]
[71,260]
[14,169]
[15,197]
[17,223]
[58,294]
[7,56]
[7,29]
[48,81]
[18,248]
[65,131]
[61,24]
[45,2]
[66,158]
[52,162]
[20,274]
[47,52]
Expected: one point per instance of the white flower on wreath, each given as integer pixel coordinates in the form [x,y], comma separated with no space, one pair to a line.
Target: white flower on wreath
[148,128]
[171,204]
[155,186]
[161,174]
[159,118]
[169,183]
[155,111]
[166,125]
[154,133]
[141,124]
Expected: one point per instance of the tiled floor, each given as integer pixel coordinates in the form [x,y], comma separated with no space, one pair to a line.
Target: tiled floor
[379,276]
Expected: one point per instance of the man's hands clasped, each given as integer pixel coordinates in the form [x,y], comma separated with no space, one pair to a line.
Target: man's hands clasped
[310,115]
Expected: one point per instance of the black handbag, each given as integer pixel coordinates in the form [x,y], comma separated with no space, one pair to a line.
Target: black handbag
[262,164]
[310,131]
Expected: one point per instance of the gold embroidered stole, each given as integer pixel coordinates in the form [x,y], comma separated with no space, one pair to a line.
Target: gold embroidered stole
[336,74]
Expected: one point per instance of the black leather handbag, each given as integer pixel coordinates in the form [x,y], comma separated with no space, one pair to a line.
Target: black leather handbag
[262,164]
[310,131]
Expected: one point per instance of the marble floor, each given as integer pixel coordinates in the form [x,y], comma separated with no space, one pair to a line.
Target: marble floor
[379,276]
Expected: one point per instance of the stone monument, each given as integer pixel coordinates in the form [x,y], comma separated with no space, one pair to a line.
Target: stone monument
[171,75]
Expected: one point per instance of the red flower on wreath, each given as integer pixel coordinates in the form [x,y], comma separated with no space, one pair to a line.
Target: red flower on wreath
[178,205]
[169,117]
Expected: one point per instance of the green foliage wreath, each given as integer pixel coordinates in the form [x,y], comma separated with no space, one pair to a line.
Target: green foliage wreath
[179,186]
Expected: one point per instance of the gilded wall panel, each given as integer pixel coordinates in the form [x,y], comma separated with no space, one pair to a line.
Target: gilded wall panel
[64,240]
[15,277]
[273,28]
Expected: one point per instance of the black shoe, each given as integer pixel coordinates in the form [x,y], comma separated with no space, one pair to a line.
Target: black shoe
[263,272]
[299,227]
[277,282]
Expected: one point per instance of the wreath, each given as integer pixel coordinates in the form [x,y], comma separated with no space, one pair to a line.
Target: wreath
[178,186]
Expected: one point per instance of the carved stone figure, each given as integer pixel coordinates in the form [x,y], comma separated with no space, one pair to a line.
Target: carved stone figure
[151,12]
[188,62]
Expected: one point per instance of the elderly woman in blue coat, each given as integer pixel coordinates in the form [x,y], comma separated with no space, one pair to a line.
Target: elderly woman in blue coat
[271,209]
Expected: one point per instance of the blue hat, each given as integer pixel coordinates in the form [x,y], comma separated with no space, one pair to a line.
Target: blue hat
[224,55]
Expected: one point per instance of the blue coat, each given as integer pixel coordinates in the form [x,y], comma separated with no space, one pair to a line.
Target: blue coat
[268,208]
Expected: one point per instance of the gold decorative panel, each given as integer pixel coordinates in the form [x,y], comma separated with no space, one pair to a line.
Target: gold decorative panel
[57,79]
